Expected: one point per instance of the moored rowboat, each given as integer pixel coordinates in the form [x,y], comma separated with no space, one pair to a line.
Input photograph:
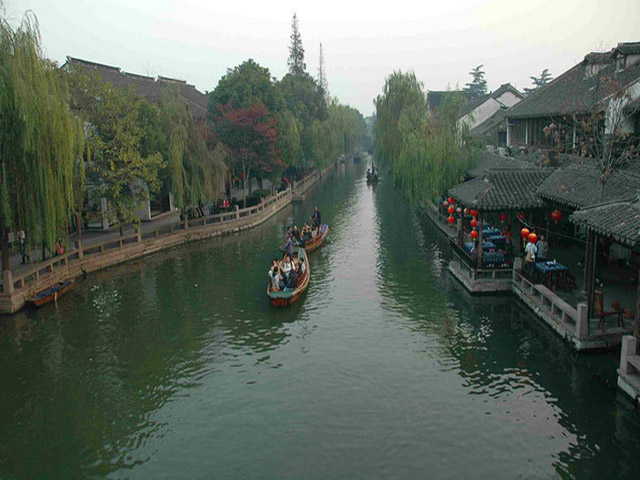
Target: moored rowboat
[281,298]
[50,294]
[317,240]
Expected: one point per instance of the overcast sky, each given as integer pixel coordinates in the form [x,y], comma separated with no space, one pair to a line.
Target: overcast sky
[364,41]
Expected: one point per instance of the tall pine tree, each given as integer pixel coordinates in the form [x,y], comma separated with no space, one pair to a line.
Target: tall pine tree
[296,50]
[322,74]
[477,88]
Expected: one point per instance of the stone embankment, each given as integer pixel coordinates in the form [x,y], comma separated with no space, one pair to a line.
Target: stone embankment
[15,289]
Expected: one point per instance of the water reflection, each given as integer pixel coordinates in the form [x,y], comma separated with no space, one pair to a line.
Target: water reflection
[176,364]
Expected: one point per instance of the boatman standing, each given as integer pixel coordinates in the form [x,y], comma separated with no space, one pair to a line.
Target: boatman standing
[317,219]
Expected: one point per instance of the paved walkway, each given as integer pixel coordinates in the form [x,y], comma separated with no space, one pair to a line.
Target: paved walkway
[92,237]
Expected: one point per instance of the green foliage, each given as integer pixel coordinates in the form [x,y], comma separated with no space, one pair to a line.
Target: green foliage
[288,138]
[342,132]
[477,88]
[244,86]
[436,150]
[401,91]
[295,62]
[117,122]
[40,139]
[305,99]
[428,153]
[544,78]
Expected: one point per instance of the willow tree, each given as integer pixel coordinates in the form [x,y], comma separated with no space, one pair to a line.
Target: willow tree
[436,150]
[194,172]
[40,140]
[401,91]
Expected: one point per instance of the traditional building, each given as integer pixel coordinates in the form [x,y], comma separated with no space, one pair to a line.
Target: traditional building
[480,110]
[548,118]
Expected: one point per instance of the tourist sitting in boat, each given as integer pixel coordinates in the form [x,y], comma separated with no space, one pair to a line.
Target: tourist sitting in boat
[302,267]
[296,234]
[287,266]
[277,283]
[292,280]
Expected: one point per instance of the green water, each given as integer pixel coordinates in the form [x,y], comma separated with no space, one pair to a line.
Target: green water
[176,366]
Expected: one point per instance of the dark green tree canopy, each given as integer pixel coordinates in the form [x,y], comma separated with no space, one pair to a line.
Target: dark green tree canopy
[544,78]
[295,62]
[244,86]
[477,88]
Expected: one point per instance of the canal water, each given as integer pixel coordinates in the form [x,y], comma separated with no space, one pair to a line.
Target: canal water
[176,366]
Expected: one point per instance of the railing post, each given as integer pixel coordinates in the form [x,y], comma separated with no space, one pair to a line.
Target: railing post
[80,251]
[582,322]
[7,281]
[139,235]
[629,345]
[517,266]
[186,223]
[237,212]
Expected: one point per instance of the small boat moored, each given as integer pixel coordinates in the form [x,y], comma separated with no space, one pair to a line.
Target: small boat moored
[282,298]
[50,294]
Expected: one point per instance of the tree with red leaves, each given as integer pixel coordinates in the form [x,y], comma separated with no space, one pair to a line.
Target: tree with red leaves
[250,136]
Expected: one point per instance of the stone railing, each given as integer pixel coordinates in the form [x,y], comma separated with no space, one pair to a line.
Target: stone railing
[88,258]
[475,273]
[569,321]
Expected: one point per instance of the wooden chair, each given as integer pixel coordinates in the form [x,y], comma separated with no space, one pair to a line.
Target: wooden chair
[598,307]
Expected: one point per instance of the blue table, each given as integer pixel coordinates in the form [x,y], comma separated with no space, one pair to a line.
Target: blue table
[499,240]
[546,271]
[490,232]
[486,247]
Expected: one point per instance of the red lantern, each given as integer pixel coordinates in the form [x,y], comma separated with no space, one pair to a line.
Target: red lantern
[502,217]
[474,222]
[451,220]
[474,234]
[445,204]
[533,238]
[524,233]
[458,210]
[452,200]
[451,209]
[473,212]
[556,215]
[466,211]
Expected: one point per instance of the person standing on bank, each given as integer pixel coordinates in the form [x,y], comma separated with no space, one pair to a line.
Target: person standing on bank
[543,249]
[530,252]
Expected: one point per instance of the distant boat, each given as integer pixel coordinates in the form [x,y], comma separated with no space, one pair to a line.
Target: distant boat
[50,294]
[372,178]
[317,240]
[282,298]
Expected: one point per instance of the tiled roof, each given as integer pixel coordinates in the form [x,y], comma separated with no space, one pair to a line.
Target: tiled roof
[434,98]
[497,120]
[620,220]
[578,185]
[502,190]
[490,161]
[629,48]
[572,92]
[475,103]
[148,87]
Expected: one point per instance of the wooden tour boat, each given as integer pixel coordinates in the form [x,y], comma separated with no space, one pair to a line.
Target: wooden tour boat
[50,294]
[372,178]
[317,240]
[281,298]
